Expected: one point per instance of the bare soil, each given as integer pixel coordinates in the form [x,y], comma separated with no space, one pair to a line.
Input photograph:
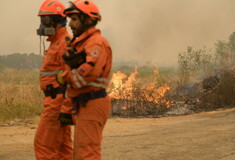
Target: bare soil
[204,136]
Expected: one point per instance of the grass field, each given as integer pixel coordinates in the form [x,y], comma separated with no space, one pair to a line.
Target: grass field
[20,95]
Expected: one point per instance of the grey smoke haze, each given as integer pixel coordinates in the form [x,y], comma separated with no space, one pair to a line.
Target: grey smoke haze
[142,31]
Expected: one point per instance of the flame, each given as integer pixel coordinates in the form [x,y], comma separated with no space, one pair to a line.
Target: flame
[123,107]
[232,68]
[137,89]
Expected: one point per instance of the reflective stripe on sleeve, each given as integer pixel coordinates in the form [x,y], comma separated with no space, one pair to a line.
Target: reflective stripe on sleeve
[49,73]
[102,80]
[75,79]
[97,85]
[79,77]
[68,85]
[66,95]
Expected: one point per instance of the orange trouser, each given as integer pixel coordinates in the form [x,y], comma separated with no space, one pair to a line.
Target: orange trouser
[52,142]
[89,123]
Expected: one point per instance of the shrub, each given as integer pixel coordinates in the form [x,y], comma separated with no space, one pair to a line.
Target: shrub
[193,63]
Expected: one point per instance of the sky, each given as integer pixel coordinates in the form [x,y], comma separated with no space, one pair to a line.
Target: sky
[150,31]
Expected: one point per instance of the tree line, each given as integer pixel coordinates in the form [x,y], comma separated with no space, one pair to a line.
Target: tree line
[21,61]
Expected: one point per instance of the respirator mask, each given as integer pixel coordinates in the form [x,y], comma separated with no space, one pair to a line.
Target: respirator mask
[46,27]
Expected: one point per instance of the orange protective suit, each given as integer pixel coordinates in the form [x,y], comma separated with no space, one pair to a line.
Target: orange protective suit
[91,118]
[53,142]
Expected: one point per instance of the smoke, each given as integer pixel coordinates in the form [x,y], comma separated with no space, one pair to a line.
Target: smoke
[140,31]
[157,30]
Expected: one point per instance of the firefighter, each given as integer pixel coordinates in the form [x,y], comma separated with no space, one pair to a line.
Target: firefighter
[89,60]
[53,135]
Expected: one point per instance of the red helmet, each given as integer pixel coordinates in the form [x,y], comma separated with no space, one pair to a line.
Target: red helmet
[51,7]
[86,6]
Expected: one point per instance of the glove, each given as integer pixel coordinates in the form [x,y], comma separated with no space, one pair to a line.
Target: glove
[74,59]
[65,119]
[60,79]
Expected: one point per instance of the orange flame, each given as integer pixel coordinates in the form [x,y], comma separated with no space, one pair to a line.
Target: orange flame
[124,87]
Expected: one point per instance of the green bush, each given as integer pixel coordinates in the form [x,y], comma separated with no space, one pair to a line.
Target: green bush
[225,52]
[193,63]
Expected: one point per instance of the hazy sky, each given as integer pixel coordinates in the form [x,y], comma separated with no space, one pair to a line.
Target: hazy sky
[150,30]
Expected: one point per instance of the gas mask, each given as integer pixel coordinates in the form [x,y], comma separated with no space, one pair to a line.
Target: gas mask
[46,27]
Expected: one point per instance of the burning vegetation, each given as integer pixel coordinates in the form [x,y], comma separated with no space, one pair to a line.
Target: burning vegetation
[136,96]
[205,81]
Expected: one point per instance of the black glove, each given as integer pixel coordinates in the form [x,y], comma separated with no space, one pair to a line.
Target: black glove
[74,59]
[65,119]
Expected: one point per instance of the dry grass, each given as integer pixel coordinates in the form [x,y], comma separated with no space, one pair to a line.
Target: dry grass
[20,95]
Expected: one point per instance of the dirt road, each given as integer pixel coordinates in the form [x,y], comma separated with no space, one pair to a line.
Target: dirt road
[204,136]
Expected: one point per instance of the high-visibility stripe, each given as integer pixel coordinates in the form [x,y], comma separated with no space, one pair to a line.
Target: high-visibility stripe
[49,73]
[66,95]
[68,85]
[79,76]
[45,12]
[75,80]
[102,80]
[97,85]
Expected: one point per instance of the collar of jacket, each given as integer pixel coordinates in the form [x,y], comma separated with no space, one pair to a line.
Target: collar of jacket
[59,31]
[86,34]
